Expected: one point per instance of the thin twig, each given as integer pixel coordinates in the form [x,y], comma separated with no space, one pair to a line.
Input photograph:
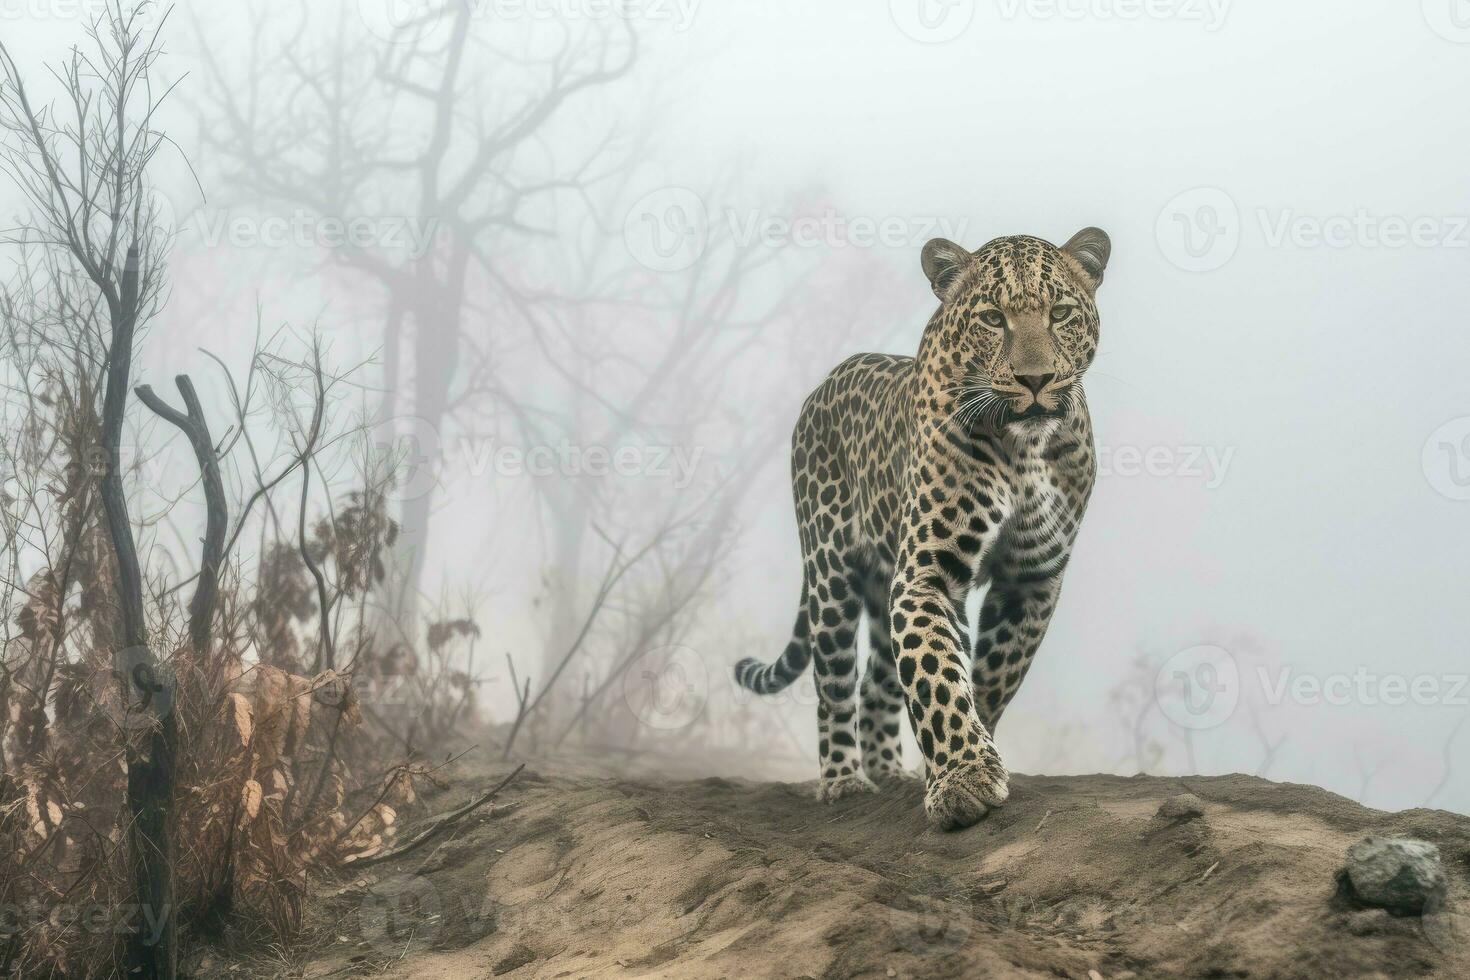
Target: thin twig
[441,824]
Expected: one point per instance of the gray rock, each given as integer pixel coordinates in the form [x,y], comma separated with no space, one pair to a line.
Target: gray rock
[1396,874]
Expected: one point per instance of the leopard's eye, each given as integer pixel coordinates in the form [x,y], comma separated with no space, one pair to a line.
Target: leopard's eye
[1062,313]
[993,318]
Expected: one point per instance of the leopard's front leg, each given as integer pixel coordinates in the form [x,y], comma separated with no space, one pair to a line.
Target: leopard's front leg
[1013,621]
[938,556]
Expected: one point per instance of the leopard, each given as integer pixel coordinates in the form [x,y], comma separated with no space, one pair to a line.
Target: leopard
[920,480]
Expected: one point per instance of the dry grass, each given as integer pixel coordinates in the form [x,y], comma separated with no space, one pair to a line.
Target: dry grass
[270,757]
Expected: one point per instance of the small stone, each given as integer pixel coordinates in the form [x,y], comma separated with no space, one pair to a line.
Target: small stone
[1185,806]
[1400,875]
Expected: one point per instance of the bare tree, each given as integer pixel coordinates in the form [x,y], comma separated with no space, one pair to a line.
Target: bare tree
[123,718]
[82,169]
[437,121]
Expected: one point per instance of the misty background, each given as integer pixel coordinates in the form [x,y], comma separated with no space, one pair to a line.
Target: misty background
[597,254]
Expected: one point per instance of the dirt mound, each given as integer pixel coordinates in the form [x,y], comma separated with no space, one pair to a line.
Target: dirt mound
[578,874]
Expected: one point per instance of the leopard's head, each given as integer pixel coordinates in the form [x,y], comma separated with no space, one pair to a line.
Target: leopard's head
[1018,325]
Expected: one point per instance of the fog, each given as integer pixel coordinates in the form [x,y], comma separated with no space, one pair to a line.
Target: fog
[724,200]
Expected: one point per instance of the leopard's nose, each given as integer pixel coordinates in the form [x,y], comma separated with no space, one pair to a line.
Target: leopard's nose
[1035,382]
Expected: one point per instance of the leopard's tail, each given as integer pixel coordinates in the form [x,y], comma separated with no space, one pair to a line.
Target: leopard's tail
[761,678]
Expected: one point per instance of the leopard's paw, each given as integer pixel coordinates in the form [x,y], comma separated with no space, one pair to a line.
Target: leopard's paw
[964,792]
[890,774]
[852,784]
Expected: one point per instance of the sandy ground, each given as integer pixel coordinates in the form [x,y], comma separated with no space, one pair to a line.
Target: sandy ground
[581,874]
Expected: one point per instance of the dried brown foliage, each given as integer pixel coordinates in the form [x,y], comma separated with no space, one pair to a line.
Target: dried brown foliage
[267,794]
[279,777]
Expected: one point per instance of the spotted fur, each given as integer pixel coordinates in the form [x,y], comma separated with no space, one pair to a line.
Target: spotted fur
[918,480]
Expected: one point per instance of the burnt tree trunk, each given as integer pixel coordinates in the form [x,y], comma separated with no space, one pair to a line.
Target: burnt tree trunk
[202,606]
[192,423]
[150,771]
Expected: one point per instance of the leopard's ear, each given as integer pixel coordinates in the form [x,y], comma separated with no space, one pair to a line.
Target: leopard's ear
[1091,247]
[943,260]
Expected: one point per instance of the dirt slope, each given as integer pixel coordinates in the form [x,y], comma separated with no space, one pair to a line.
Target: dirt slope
[584,875]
